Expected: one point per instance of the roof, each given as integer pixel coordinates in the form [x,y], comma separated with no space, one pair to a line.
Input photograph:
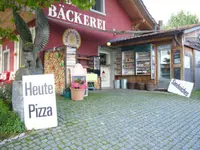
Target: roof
[146,10]
[192,42]
[156,34]
[138,14]
[7,16]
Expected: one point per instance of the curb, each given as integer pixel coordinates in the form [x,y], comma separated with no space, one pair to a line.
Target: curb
[11,139]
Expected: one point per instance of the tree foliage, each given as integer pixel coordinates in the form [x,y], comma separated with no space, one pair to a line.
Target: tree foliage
[33,4]
[181,19]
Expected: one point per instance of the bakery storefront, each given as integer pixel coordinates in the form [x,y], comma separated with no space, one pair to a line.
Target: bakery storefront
[150,61]
[75,36]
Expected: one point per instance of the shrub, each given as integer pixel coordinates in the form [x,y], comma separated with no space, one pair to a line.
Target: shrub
[5,90]
[10,123]
[6,93]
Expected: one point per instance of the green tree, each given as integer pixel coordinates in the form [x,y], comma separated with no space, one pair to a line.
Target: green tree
[180,19]
[33,4]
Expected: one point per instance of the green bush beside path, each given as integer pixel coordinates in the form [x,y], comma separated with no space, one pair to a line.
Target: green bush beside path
[10,124]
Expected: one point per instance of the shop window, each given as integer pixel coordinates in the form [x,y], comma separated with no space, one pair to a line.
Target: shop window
[6,60]
[99,6]
[103,59]
[16,54]
[68,1]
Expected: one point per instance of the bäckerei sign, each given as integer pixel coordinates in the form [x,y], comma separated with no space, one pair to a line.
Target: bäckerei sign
[39,101]
[69,15]
[180,87]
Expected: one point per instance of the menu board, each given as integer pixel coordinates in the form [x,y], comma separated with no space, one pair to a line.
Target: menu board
[70,62]
[177,57]
[197,62]
[177,73]
[70,56]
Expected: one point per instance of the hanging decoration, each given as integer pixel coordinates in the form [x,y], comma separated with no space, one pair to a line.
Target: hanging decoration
[57,55]
[62,64]
[52,68]
[47,56]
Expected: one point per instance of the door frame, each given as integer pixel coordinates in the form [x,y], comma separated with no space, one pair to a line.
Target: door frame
[107,51]
[157,58]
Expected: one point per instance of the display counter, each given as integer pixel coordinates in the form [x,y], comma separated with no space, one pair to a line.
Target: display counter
[136,64]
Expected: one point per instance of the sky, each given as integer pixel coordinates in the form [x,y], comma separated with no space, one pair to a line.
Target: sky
[162,9]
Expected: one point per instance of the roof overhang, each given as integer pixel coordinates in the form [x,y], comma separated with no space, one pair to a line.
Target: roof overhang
[154,37]
[139,14]
[192,29]
[193,43]
[6,19]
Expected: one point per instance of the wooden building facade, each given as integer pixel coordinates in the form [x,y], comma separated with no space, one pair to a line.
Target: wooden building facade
[84,30]
[158,57]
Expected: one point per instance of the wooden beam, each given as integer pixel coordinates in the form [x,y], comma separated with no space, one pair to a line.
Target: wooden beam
[139,20]
[143,42]
[141,15]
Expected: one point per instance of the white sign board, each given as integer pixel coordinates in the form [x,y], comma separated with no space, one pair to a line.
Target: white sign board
[187,62]
[39,101]
[180,87]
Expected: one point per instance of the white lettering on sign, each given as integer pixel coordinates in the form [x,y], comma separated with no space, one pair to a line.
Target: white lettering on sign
[39,101]
[68,15]
[180,87]
[72,16]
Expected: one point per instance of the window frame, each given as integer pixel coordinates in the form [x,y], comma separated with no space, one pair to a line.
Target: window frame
[8,65]
[16,54]
[1,58]
[99,12]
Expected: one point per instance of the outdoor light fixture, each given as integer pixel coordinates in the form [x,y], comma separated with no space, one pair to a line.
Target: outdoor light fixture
[108,43]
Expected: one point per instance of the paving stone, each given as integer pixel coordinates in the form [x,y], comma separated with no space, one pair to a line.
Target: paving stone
[36,148]
[121,119]
[79,148]
[18,147]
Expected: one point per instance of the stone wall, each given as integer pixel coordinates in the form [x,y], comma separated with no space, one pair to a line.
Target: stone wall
[17,99]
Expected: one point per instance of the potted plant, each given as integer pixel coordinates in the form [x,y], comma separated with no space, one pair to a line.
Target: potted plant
[78,89]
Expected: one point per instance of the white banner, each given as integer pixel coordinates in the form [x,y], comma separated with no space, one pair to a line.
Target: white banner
[39,101]
[187,62]
[180,87]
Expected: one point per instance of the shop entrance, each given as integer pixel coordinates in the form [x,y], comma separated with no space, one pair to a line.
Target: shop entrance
[164,69]
[105,69]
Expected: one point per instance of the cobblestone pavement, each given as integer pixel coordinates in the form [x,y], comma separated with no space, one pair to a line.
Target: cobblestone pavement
[120,120]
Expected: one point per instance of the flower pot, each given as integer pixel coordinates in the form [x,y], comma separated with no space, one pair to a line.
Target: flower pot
[77,94]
